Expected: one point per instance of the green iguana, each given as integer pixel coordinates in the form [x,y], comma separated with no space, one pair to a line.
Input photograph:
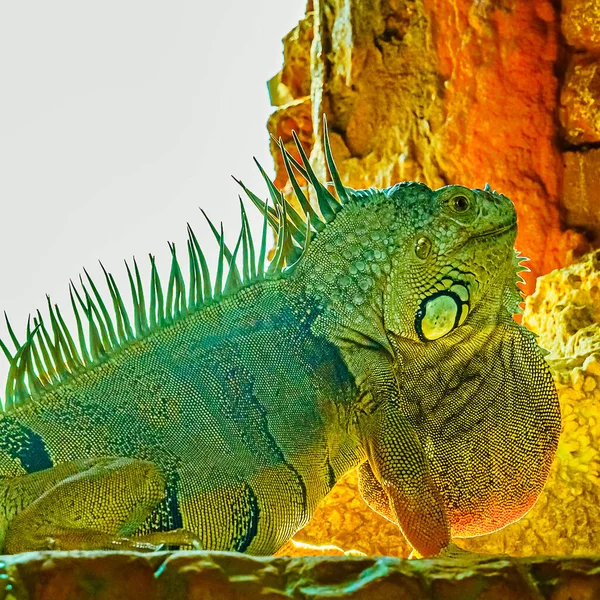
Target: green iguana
[380,337]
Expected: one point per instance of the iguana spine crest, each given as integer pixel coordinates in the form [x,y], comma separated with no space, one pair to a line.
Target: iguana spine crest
[50,356]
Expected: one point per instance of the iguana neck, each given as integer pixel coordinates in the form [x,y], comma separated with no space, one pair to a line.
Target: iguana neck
[429,372]
[346,268]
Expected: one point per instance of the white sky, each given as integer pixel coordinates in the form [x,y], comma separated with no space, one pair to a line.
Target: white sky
[118,119]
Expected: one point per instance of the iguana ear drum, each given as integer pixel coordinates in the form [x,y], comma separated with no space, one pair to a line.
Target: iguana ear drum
[442,312]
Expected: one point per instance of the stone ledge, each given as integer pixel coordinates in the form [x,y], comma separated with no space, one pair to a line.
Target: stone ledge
[225,576]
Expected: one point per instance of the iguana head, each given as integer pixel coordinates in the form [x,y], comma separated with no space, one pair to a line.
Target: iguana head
[458,249]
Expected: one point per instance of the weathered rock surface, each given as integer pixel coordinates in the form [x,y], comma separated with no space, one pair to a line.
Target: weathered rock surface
[229,576]
[581,186]
[581,23]
[442,92]
[580,115]
[580,101]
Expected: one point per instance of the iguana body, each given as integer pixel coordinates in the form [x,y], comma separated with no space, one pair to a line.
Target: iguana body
[387,343]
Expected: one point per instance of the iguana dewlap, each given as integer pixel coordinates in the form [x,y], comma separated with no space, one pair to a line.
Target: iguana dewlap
[221,411]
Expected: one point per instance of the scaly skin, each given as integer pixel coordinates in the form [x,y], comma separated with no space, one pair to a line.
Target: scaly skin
[230,425]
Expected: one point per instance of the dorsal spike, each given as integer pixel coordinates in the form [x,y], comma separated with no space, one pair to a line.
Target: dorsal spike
[309,211]
[296,226]
[234,281]
[335,175]
[250,242]
[275,194]
[21,393]
[11,333]
[11,380]
[74,362]
[96,313]
[63,354]
[327,203]
[157,306]
[290,157]
[179,305]
[35,385]
[169,312]
[117,305]
[219,277]
[9,392]
[193,267]
[260,205]
[206,282]
[96,348]
[43,378]
[140,295]
[48,364]
[6,351]
[260,269]
[106,316]
[123,310]
[48,350]
[280,251]
[152,309]
[218,237]
[56,346]
[137,312]
[245,256]
[80,335]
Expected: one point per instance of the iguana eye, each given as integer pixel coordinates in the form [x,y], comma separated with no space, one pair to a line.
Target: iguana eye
[423,247]
[460,203]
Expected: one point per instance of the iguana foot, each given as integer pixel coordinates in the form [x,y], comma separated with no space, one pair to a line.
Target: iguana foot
[451,551]
[175,537]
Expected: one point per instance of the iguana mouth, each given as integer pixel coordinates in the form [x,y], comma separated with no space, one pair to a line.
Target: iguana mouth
[495,232]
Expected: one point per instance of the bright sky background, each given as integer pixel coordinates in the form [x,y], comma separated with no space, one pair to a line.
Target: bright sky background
[118,119]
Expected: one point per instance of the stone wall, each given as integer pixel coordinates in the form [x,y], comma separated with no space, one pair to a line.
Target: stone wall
[230,576]
[580,114]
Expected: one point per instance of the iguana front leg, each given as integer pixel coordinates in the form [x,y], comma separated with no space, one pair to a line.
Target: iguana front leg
[372,493]
[91,504]
[399,468]
[375,496]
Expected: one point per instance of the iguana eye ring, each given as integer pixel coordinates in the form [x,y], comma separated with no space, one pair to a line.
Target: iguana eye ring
[442,312]
[423,247]
[460,203]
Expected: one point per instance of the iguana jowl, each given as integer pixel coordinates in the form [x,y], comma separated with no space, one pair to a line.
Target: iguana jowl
[380,336]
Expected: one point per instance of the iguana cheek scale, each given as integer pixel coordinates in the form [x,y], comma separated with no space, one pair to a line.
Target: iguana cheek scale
[221,410]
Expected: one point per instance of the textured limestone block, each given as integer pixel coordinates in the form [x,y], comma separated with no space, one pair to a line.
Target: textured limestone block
[582,190]
[580,100]
[565,312]
[581,23]
[230,576]
[293,81]
[295,74]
